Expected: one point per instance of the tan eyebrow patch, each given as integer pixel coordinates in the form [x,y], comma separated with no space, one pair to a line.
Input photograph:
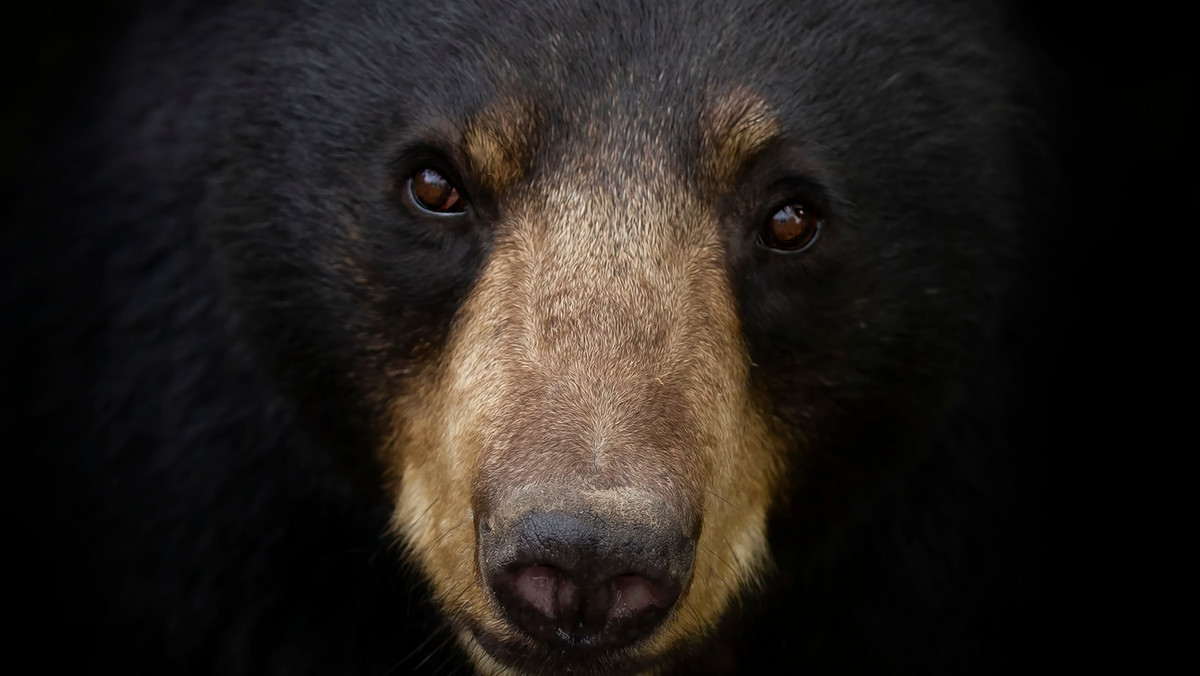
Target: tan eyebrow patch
[734,128]
[500,143]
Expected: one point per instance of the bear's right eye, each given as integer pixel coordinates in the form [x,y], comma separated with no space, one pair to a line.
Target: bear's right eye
[792,228]
[432,192]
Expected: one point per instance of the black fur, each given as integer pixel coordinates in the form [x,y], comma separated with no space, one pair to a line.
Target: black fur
[193,370]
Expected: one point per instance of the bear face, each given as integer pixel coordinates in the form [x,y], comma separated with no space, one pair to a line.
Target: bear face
[590,291]
[582,380]
[618,338]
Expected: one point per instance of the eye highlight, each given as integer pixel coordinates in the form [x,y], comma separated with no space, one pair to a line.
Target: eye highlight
[433,192]
[792,228]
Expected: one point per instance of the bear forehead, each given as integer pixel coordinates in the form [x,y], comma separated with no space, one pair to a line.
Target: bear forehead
[572,78]
[501,142]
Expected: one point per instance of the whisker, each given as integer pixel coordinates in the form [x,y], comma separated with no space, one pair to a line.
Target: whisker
[695,614]
[448,531]
[722,560]
[433,652]
[722,499]
[432,634]
[426,510]
[437,630]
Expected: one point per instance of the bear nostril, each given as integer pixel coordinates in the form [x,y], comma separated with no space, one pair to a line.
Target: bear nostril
[634,595]
[559,608]
[572,582]
[544,590]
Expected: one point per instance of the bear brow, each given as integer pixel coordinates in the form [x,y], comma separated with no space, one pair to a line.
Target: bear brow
[500,141]
[734,128]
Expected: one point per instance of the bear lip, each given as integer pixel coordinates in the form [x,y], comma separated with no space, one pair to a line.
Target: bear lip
[518,654]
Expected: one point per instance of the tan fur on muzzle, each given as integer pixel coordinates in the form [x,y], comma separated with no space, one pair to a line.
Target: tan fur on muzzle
[599,352]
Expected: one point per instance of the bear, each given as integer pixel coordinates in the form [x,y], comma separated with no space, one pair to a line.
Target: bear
[520,338]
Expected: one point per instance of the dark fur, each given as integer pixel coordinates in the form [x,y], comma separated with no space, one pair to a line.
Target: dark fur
[212,295]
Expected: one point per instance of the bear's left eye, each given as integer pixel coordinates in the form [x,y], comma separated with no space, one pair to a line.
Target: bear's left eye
[794,227]
[433,192]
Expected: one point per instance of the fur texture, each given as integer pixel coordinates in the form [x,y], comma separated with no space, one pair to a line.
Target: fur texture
[265,397]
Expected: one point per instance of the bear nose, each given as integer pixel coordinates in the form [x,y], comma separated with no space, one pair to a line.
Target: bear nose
[579,581]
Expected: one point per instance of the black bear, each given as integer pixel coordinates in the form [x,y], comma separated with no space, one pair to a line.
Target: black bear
[596,337]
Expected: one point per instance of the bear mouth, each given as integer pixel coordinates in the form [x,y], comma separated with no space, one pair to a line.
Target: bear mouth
[519,655]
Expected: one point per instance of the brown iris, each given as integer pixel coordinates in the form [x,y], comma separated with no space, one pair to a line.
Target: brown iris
[432,192]
[792,228]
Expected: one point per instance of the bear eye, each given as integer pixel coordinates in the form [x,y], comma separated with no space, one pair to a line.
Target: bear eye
[793,227]
[432,192]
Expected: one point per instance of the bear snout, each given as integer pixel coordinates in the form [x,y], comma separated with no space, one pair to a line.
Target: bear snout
[596,575]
